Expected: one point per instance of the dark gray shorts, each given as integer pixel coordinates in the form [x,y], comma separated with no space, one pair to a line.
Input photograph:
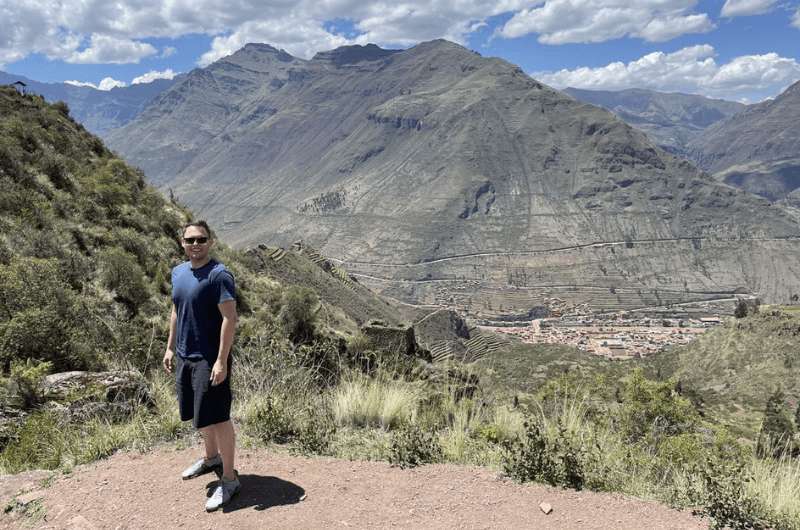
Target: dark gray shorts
[198,400]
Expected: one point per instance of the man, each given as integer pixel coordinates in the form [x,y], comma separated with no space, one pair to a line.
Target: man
[201,331]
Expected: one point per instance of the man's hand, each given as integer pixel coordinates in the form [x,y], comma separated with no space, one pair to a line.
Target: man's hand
[167,361]
[218,373]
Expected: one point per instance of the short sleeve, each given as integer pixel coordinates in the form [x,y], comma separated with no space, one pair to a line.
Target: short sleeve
[227,287]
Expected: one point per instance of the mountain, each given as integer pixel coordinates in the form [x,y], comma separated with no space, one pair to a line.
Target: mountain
[671,120]
[435,175]
[758,149]
[98,110]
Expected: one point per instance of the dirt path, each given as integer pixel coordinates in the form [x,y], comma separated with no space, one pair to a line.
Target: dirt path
[144,491]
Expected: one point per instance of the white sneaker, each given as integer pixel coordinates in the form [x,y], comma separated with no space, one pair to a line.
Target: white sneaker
[202,467]
[224,491]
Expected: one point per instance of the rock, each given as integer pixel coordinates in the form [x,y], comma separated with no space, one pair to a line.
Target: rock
[397,339]
[79,394]
[24,500]
[546,508]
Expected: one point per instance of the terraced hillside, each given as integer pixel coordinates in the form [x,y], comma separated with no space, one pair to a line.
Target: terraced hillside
[438,176]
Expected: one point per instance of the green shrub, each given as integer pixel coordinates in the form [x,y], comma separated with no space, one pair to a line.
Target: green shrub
[727,502]
[56,171]
[25,382]
[654,408]
[777,431]
[558,461]
[268,419]
[35,334]
[298,313]
[120,273]
[411,447]
[316,434]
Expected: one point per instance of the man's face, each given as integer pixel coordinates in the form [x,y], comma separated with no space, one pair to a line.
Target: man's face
[196,243]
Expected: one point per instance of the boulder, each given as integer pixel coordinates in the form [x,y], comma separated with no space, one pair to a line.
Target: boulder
[113,394]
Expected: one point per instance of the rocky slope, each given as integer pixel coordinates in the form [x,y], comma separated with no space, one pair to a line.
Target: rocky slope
[758,149]
[98,110]
[439,176]
[671,120]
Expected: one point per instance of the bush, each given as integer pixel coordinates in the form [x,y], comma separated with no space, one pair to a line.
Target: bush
[269,420]
[537,458]
[777,431]
[728,504]
[56,171]
[120,273]
[298,314]
[411,447]
[316,435]
[25,382]
[653,408]
[35,334]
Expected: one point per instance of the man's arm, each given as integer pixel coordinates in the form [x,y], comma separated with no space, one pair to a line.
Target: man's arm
[170,353]
[220,370]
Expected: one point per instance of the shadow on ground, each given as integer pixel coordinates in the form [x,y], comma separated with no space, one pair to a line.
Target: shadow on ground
[262,493]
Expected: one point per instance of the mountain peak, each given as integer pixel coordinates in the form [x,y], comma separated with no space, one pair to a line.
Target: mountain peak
[353,54]
[261,51]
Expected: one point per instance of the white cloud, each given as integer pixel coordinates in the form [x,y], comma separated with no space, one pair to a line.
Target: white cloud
[796,19]
[168,51]
[298,37]
[739,8]
[106,84]
[566,21]
[152,75]
[692,69]
[103,49]
[80,83]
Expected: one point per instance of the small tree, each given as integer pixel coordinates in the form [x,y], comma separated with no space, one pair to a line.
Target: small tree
[741,309]
[777,429]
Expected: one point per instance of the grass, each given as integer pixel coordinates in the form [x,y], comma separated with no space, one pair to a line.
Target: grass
[48,441]
[587,432]
[360,401]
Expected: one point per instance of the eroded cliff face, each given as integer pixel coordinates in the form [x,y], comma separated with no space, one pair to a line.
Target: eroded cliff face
[438,175]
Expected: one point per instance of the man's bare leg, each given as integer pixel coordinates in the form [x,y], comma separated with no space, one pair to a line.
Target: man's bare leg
[226,441]
[210,439]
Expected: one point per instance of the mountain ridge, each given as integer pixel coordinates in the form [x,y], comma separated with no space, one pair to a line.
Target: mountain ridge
[436,151]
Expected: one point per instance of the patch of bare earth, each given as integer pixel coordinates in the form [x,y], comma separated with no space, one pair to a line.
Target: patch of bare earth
[132,490]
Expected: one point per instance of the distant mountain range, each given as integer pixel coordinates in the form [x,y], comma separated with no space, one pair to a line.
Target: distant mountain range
[757,149]
[98,110]
[439,176]
[672,120]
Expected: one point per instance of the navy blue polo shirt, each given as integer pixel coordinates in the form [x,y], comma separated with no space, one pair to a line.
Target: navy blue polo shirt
[196,294]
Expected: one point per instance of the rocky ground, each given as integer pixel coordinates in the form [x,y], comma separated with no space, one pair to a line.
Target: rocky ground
[132,490]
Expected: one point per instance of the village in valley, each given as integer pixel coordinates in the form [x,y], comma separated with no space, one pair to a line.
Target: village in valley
[619,335]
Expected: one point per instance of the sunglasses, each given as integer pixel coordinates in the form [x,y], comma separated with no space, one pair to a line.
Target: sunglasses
[193,240]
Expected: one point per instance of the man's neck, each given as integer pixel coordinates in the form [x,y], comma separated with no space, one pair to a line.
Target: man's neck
[196,264]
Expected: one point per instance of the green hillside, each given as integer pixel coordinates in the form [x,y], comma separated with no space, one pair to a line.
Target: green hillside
[85,244]
[731,371]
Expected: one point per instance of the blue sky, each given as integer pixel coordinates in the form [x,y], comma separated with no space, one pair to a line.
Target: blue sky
[745,50]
